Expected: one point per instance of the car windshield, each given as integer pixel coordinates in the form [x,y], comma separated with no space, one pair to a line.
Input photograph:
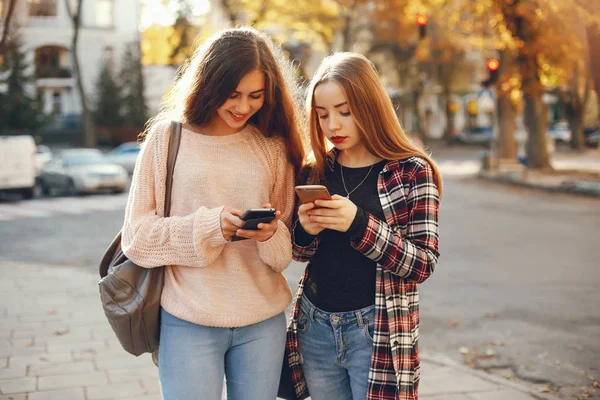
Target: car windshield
[85,158]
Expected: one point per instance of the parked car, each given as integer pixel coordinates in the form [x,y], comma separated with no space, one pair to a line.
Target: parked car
[18,165]
[42,156]
[592,138]
[77,171]
[560,132]
[125,155]
[476,135]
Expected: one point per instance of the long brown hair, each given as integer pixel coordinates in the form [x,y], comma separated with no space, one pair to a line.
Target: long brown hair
[371,108]
[214,71]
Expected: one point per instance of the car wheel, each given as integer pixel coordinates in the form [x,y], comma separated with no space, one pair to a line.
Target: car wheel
[28,193]
[71,190]
[39,190]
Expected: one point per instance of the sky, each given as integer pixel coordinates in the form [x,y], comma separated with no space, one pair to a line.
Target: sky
[155,12]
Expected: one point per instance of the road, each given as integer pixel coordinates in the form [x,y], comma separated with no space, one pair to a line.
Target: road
[518,277]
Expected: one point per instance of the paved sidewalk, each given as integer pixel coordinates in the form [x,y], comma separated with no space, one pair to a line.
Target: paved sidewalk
[574,173]
[55,344]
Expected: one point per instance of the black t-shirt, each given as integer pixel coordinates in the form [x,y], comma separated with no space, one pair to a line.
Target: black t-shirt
[339,277]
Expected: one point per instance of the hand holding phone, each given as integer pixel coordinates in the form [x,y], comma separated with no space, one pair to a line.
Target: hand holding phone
[252,218]
[310,193]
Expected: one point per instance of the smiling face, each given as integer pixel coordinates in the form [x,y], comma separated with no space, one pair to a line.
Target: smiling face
[335,119]
[243,103]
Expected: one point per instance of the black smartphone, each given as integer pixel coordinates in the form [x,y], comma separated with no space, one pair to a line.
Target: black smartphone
[254,216]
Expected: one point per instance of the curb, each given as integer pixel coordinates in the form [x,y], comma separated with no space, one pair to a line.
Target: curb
[445,361]
[569,186]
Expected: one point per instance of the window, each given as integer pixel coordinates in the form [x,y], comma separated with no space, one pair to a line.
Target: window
[109,57]
[104,13]
[42,8]
[48,56]
[56,103]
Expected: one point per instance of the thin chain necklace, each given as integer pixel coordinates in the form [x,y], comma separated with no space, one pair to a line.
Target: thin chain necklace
[348,193]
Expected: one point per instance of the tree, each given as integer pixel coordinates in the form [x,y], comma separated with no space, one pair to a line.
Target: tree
[10,8]
[594,47]
[88,122]
[183,34]
[134,109]
[107,111]
[18,109]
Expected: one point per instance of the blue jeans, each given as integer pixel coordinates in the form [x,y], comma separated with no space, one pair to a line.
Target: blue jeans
[335,351]
[193,359]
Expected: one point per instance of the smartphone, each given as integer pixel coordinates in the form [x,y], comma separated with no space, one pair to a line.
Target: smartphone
[254,216]
[310,193]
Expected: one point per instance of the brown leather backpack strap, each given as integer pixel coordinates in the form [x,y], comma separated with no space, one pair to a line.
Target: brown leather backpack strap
[174,141]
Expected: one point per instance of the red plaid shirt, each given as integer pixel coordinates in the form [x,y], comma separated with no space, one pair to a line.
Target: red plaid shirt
[405,247]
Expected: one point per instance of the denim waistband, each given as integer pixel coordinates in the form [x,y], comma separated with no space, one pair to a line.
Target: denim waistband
[344,317]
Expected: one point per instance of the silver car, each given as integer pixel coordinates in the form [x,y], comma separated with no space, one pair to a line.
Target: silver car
[125,155]
[77,171]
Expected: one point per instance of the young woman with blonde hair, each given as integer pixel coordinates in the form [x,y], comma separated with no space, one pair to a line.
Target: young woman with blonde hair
[223,301]
[354,328]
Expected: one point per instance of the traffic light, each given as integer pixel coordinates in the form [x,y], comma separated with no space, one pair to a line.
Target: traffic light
[422,23]
[493,65]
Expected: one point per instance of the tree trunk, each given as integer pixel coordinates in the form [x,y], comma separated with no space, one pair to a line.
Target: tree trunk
[577,136]
[594,51]
[507,145]
[507,114]
[535,120]
[346,42]
[88,122]
[7,22]
[450,125]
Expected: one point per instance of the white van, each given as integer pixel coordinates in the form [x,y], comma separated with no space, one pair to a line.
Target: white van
[18,166]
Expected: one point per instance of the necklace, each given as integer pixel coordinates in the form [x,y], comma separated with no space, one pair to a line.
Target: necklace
[348,193]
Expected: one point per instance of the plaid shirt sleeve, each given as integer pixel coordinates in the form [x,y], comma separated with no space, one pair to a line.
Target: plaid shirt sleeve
[414,255]
[303,253]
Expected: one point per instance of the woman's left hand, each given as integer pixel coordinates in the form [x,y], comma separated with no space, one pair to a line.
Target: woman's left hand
[336,214]
[264,231]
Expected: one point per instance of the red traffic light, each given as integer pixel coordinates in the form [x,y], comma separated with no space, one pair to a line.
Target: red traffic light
[421,19]
[493,64]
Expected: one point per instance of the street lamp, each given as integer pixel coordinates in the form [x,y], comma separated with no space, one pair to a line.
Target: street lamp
[422,23]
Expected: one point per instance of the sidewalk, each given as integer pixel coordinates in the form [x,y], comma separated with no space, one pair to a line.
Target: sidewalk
[574,173]
[55,344]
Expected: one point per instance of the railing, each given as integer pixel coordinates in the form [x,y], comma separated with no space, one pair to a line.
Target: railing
[46,22]
[52,72]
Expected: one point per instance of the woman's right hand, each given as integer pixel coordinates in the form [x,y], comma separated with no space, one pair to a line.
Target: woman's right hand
[312,228]
[230,222]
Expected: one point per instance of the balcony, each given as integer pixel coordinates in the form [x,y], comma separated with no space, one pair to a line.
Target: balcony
[42,72]
[51,22]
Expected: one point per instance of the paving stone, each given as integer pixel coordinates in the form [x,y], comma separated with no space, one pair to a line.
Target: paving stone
[21,385]
[71,381]
[63,394]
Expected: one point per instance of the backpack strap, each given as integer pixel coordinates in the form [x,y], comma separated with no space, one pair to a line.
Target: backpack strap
[174,141]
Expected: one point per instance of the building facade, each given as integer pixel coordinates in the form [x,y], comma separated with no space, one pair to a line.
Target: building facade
[46,33]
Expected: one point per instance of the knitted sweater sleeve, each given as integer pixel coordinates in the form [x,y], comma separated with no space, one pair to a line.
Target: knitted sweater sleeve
[151,240]
[277,251]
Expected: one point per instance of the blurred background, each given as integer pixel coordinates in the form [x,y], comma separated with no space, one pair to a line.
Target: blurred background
[503,93]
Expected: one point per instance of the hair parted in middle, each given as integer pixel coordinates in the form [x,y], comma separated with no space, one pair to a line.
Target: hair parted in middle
[371,108]
[214,71]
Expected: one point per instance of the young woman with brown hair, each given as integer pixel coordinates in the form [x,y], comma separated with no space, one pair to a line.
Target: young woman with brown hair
[354,328]
[223,301]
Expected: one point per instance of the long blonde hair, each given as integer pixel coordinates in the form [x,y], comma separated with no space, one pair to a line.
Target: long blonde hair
[371,108]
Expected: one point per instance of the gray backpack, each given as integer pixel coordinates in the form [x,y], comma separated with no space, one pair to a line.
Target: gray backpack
[130,294]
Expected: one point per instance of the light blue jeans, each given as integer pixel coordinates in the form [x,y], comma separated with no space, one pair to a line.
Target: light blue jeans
[336,351]
[193,359]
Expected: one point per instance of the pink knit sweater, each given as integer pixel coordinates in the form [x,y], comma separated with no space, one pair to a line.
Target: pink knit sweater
[208,280]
